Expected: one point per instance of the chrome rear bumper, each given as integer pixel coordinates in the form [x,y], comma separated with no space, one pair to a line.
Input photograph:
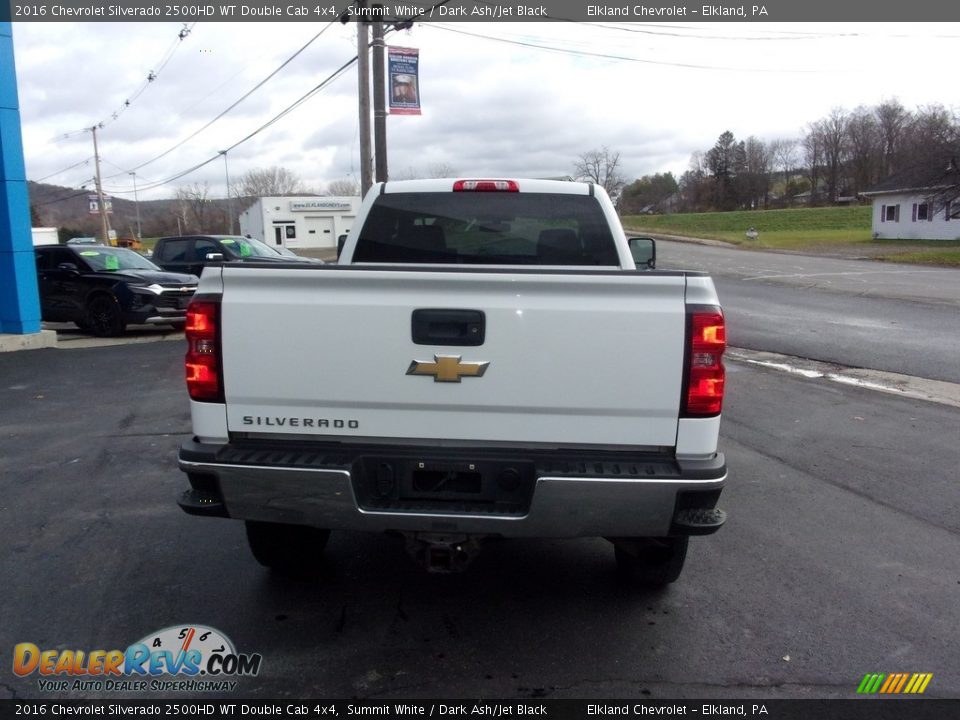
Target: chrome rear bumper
[560,505]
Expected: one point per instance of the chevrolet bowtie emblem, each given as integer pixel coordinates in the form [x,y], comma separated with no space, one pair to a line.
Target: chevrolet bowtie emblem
[447,368]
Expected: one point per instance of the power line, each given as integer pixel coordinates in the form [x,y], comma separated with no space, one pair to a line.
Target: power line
[232,106]
[608,56]
[151,77]
[71,167]
[283,113]
[276,118]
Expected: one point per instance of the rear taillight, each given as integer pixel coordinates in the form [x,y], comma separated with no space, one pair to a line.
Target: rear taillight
[202,362]
[705,374]
[486,186]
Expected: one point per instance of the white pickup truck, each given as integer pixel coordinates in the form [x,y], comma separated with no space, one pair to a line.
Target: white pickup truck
[486,359]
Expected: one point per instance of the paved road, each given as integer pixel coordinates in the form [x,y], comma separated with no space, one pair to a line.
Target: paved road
[839,557]
[897,318]
[862,278]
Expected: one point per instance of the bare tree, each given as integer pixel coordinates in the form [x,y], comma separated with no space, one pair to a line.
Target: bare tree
[933,147]
[759,166]
[892,118]
[694,190]
[863,132]
[601,167]
[269,182]
[833,132]
[813,158]
[194,203]
[343,187]
[784,155]
[434,170]
[933,135]
[440,170]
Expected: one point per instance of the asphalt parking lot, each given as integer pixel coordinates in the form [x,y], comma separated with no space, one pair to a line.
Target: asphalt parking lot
[838,558]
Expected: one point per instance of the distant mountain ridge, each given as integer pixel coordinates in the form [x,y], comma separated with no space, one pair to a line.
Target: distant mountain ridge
[69,209]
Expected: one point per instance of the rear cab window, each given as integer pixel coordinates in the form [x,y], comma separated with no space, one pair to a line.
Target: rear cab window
[486,228]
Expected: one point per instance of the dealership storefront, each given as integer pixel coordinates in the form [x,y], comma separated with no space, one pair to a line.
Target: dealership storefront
[299,222]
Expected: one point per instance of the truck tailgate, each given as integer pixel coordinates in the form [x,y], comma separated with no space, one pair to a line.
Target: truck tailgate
[573,358]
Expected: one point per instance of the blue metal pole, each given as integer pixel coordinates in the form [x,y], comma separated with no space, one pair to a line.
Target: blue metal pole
[19,301]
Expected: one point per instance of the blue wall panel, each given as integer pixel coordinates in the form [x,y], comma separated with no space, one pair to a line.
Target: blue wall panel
[19,303]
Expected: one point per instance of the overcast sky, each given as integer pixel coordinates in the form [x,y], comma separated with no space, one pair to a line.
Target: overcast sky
[508,99]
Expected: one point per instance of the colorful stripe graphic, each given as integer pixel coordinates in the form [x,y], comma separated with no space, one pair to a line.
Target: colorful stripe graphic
[894,683]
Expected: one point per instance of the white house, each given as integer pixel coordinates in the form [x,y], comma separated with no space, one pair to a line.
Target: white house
[299,222]
[917,205]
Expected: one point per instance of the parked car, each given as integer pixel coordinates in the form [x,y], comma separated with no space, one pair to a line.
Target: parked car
[290,254]
[104,289]
[191,253]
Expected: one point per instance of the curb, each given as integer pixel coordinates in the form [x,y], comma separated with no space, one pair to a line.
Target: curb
[30,341]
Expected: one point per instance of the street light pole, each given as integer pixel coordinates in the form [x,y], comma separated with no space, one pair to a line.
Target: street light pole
[226,170]
[136,201]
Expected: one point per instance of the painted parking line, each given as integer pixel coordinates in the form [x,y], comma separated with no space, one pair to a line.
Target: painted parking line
[944,393]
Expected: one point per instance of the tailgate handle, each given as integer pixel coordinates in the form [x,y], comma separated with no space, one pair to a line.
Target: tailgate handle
[448,327]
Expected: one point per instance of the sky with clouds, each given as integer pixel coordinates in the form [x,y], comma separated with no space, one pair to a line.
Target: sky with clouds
[501,99]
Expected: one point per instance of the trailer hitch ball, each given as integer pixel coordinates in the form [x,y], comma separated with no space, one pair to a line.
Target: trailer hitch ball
[442,553]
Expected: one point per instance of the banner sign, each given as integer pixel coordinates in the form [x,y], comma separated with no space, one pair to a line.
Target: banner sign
[94,203]
[403,67]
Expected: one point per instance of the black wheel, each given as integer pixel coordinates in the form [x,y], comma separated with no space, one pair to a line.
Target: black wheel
[294,550]
[104,318]
[650,562]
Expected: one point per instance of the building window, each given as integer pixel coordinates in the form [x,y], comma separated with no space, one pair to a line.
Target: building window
[890,213]
[921,211]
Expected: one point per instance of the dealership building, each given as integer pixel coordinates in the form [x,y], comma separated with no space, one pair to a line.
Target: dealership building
[299,222]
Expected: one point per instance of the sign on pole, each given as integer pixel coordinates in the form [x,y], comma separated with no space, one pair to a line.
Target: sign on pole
[95,204]
[404,68]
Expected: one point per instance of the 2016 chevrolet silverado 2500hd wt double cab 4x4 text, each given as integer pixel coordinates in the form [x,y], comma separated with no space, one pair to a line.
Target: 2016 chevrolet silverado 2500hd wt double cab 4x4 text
[485,359]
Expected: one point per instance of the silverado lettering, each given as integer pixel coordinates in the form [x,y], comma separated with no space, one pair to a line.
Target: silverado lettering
[276,421]
[590,405]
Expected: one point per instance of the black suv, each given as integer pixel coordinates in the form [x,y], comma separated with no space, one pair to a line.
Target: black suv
[189,253]
[103,289]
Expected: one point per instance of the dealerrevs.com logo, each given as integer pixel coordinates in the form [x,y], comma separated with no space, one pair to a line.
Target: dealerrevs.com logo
[894,683]
[182,658]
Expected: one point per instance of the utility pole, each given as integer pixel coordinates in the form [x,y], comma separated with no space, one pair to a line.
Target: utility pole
[363,74]
[104,221]
[379,99]
[226,170]
[136,201]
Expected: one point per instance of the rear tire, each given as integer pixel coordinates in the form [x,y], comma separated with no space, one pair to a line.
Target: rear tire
[104,318]
[650,562]
[291,550]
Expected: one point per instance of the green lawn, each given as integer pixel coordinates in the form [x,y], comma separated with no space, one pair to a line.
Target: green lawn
[836,229]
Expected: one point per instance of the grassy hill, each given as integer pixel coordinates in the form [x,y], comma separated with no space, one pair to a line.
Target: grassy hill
[831,230]
[795,227]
